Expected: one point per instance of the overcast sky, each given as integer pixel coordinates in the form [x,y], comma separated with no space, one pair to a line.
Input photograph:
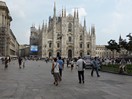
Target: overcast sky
[111,18]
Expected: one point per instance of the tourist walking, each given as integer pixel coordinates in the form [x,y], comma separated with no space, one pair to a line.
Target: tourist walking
[23,61]
[67,61]
[55,69]
[95,66]
[80,70]
[72,64]
[61,66]
[20,62]
[6,63]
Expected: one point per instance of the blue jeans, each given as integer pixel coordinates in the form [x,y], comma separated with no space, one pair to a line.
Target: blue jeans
[96,69]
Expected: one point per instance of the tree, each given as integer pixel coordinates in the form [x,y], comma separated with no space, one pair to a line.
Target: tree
[129,44]
[123,43]
[112,45]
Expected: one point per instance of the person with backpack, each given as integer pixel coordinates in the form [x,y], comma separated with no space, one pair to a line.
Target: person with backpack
[55,69]
[80,65]
[95,66]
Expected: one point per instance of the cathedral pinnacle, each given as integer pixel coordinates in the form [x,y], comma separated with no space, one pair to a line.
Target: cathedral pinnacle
[43,26]
[54,9]
[77,14]
[65,12]
[62,12]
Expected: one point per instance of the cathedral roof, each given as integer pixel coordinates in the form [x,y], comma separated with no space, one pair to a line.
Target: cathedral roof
[70,16]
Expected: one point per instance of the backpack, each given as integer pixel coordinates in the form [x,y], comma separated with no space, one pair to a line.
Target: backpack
[83,65]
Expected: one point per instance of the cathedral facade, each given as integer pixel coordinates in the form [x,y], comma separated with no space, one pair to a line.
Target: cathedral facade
[64,36]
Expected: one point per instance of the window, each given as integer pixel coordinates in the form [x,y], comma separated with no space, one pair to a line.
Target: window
[70,39]
[69,27]
[50,44]
[58,45]
[80,37]
[80,45]
[87,45]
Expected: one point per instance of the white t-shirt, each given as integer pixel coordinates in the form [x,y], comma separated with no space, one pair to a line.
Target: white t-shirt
[56,67]
[80,64]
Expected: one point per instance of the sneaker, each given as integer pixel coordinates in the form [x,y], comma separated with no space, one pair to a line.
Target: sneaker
[83,82]
[98,76]
[56,84]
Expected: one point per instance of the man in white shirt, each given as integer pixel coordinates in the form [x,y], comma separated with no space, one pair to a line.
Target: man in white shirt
[80,70]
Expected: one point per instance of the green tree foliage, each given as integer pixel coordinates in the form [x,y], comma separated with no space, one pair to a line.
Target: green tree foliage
[123,43]
[129,44]
[112,45]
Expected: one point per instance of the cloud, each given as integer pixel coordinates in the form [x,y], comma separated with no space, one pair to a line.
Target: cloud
[17,9]
[82,12]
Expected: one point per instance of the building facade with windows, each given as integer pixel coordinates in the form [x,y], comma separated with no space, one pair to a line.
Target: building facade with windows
[64,36]
[8,43]
[103,52]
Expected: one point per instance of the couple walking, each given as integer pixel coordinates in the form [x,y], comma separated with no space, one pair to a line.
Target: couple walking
[80,64]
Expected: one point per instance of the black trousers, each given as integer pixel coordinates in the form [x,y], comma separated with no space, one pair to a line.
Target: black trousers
[81,76]
[60,71]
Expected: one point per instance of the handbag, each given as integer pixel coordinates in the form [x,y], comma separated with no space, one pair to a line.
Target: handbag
[52,70]
[83,64]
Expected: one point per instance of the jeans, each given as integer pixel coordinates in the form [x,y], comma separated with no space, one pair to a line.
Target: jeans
[81,76]
[96,69]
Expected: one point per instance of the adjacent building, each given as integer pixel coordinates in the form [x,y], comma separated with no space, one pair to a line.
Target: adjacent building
[8,43]
[24,50]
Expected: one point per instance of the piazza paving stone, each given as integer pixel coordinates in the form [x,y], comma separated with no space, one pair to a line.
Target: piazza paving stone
[36,82]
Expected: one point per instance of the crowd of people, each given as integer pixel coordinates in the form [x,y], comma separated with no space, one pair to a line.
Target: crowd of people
[79,63]
[58,66]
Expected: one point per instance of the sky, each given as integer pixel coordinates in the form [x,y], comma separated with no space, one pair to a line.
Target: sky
[111,18]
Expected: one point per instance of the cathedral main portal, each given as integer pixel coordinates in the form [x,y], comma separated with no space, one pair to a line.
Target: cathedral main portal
[70,53]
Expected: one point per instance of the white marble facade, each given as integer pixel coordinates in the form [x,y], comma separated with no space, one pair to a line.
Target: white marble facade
[64,36]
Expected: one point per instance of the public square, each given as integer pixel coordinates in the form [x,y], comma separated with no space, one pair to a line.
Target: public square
[36,82]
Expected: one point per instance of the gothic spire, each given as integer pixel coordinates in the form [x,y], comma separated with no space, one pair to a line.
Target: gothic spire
[74,13]
[62,12]
[120,39]
[84,22]
[93,30]
[65,12]
[54,9]
[43,26]
[77,14]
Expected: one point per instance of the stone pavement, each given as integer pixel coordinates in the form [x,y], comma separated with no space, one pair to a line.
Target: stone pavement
[36,82]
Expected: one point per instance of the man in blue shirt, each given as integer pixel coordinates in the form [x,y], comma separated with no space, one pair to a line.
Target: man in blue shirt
[61,65]
[95,67]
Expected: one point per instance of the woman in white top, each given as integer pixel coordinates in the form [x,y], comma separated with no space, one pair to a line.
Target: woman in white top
[55,67]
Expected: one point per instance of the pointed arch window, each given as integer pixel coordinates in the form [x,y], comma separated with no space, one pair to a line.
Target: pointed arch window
[81,45]
[80,37]
[69,27]
[87,45]
[50,44]
[58,45]
[70,39]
